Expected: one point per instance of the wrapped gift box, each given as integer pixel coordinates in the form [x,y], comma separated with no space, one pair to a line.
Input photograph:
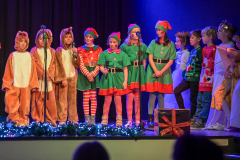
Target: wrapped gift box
[172,121]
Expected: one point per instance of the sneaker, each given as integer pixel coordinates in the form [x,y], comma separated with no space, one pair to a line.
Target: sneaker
[192,121]
[218,127]
[199,124]
[231,129]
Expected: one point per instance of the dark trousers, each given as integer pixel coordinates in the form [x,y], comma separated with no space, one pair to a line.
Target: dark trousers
[183,86]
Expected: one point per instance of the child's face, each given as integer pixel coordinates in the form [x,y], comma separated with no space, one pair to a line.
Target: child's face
[113,43]
[178,43]
[206,39]
[88,39]
[40,40]
[160,33]
[238,43]
[22,44]
[133,32]
[222,34]
[68,39]
[194,41]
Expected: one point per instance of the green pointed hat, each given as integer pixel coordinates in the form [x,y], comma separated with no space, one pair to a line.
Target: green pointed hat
[131,26]
[163,25]
[92,32]
[115,35]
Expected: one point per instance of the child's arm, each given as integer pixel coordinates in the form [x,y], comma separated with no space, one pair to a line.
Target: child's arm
[33,85]
[125,71]
[144,63]
[96,70]
[103,70]
[167,66]
[8,75]
[157,73]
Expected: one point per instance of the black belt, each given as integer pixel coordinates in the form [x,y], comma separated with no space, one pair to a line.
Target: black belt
[136,63]
[113,70]
[159,61]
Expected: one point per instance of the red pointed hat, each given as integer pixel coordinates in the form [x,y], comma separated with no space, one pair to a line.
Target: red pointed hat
[92,32]
[116,35]
[163,25]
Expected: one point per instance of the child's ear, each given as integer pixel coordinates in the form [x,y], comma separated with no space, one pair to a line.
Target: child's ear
[199,39]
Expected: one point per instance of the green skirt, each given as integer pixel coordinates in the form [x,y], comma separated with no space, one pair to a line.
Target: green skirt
[112,84]
[162,84]
[133,77]
[82,82]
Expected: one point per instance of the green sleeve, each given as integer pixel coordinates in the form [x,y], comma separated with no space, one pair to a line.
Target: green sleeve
[199,55]
[172,55]
[150,48]
[126,60]
[102,59]
[144,49]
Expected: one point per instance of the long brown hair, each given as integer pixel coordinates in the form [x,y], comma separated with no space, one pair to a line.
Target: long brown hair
[165,40]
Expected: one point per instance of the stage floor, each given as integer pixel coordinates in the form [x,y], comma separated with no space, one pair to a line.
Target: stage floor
[148,146]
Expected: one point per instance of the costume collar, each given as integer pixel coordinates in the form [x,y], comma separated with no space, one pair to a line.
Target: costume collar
[110,51]
[88,48]
[159,42]
[136,44]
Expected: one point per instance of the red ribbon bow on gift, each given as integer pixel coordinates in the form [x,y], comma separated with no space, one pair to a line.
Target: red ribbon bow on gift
[173,128]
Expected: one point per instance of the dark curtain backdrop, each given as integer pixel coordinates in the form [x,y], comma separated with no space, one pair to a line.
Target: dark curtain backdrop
[106,16]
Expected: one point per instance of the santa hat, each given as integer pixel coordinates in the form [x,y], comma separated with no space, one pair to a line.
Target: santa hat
[131,26]
[49,34]
[115,35]
[21,34]
[92,32]
[63,33]
[163,25]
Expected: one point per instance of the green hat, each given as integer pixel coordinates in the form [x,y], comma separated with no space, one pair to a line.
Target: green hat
[115,35]
[92,32]
[131,26]
[163,25]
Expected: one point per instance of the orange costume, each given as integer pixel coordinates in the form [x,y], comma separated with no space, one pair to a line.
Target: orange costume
[65,69]
[20,77]
[38,97]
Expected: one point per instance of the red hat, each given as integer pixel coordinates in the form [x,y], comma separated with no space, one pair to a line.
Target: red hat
[92,32]
[163,25]
[115,35]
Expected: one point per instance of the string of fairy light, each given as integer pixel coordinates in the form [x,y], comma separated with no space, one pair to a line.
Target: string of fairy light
[73,130]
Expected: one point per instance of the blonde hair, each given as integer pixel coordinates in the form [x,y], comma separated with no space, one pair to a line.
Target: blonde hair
[127,41]
[228,27]
[210,31]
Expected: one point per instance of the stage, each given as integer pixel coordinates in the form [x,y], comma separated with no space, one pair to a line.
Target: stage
[148,146]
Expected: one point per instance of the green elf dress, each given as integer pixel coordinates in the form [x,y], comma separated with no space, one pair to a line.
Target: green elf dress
[133,69]
[161,55]
[112,83]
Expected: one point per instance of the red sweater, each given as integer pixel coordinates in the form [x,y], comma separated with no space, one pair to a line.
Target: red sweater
[206,77]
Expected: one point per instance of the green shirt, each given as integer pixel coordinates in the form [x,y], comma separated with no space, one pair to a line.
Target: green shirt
[132,51]
[117,60]
[194,65]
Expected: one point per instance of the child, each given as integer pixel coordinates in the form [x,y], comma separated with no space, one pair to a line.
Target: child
[216,118]
[209,35]
[38,97]
[20,78]
[66,78]
[88,79]
[113,81]
[182,40]
[235,108]
[162,53]
[130,46]
[192,73]
[225,90]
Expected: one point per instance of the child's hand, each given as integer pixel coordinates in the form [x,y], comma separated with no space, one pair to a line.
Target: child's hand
[90,77]
[64,83]
[105,71]
[34,89]
[5,89]
[124,85]
[74,50]
[157,74]
[48,78]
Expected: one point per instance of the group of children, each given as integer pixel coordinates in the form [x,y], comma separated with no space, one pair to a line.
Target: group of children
[201,70]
